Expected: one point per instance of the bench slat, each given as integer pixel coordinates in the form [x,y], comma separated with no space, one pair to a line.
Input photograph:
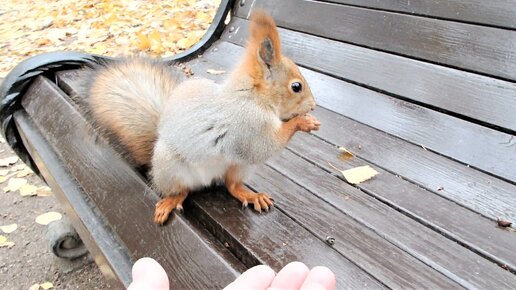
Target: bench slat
[481,98]
[273,238]
[388,263]
[444,216]
[481,49]
[500,13]
[118,192]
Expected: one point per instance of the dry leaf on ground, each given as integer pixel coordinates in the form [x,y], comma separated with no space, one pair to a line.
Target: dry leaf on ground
[215,72]
[24,172]
[5,243]
[15,184]
[46,285]
[46,218]
[18,167]
[9,228]
[3,179]
[44,191]
[28,190]
[8,161]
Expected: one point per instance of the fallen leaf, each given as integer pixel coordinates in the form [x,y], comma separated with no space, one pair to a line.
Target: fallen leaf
[46,218]
[3,179]
[44,191]
[345,154]
[46,285]
[359,174]
[503,223]
[5,243]
[24,172]
[9,228]
[215,72]
[15,184]
[34,287]
[8,161]
[18,167]
[28,190]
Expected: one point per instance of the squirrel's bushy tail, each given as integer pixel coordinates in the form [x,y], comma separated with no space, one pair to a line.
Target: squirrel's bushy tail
[125,101]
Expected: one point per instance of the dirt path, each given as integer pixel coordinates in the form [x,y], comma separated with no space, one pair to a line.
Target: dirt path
[30,260]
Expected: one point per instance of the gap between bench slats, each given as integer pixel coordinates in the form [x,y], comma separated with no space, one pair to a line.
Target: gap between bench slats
[259,238]
[454,221]
[480,192]
[119,193]
[500,13]
[111,257]
[467,95]
[485,50]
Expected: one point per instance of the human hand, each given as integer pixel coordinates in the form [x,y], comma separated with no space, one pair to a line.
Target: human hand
[294,276]
[148,274]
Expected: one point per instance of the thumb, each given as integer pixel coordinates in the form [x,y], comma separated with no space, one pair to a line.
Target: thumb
[148,274]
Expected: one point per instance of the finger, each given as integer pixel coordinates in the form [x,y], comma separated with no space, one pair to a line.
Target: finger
[320,278]
[291,276]
[258,277]
[148,274]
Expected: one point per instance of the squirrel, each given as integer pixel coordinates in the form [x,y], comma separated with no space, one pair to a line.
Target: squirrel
[194,133]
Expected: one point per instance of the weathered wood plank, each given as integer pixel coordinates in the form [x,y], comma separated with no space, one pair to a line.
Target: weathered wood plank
[102,244]
[385,261]
[118,192]
[500,13]
[482,49]
[485,194]
[481,98]
[374,205]
[273,238]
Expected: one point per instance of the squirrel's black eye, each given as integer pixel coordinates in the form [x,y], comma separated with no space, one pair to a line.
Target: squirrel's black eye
[296,87]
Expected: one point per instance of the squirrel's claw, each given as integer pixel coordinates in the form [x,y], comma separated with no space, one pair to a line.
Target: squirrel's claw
[165,206]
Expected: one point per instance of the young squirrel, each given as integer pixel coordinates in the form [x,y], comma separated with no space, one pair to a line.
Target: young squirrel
[194,133]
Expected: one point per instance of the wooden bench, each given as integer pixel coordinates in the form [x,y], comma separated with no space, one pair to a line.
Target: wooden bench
[422,91]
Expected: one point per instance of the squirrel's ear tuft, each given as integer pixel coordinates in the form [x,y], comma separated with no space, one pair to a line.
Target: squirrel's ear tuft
[264,38]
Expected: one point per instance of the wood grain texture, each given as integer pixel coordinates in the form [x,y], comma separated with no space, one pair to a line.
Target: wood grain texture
[500,13]
[478,191]
[482,49]
[379,202]
[273,238]
[369,250]
[118,192]
[481,98]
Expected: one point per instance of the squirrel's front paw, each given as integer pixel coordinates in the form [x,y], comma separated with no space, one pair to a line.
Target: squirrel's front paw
[308,123]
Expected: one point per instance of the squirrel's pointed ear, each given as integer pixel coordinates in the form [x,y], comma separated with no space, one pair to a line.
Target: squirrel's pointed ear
[265,38]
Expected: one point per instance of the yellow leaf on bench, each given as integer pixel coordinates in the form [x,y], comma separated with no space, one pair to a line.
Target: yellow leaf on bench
[359,174]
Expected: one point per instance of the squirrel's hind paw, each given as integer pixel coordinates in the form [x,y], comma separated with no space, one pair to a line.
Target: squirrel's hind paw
[165,206]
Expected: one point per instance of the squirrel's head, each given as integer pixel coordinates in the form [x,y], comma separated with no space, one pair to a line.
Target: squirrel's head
[275,78]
